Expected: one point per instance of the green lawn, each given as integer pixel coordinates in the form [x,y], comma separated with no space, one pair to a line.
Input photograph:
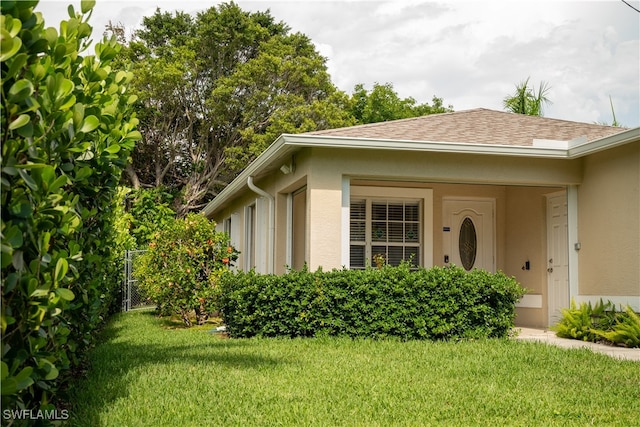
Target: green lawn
[147,373]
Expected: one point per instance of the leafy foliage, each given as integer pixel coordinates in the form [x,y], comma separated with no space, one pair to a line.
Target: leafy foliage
[215,90]
[150,209]
[525,101]
[438,303]
[614,121]
[626,331]
[383,104]
[578,322]
[180,270]
[599,322]
[67,131]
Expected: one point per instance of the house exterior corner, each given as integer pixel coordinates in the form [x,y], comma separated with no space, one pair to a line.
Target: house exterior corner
[565,224]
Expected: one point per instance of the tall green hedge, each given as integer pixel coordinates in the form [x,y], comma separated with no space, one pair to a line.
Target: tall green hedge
[436,303]
[67,132]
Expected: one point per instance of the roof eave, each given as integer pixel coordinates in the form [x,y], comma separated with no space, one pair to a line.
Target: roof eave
[240,181]
[303,140]
[288,142]
[608,142]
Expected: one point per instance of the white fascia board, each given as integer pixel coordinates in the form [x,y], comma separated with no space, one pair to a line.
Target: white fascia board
[541,148]
[431,146]
[551,143]
[579,148]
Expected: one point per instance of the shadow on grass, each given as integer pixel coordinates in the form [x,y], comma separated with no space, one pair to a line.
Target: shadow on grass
[122,357]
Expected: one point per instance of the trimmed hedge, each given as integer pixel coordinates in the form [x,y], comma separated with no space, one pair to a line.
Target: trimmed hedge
[437,303]
[67,128]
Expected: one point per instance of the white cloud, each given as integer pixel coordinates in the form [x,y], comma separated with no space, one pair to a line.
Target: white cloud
[471,53]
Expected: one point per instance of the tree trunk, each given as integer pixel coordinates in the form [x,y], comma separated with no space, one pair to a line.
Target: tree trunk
[133,176]
[185,317]
[201,314]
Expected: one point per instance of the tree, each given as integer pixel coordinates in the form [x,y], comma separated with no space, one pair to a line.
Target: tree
[614,121]
[67,130]
[215,90]
[526,101]
[383,104]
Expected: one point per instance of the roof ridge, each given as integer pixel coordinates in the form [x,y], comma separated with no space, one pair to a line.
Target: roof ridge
[530,119]
[386,122]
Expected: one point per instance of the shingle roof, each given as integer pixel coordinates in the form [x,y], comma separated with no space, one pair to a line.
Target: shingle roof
[480,126]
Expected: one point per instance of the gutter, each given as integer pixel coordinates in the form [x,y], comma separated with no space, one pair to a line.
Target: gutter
[286,142]
[578,149]
[272,221]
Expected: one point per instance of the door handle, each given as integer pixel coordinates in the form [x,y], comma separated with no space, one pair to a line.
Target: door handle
[550,270]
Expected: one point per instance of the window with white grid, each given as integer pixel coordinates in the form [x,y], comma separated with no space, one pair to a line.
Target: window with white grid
[386,231]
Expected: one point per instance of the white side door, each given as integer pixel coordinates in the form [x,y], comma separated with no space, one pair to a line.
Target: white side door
[557,256]
[469,233]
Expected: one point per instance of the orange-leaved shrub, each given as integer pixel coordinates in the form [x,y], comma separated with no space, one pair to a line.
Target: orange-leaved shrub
[181,269]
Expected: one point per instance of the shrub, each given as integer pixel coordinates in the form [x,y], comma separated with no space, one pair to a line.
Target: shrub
[599,322]
[67,130]
[438,303]
[180,270]
[625,331]
[578,322]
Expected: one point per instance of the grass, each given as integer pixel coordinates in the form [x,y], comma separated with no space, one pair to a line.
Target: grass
[147,372]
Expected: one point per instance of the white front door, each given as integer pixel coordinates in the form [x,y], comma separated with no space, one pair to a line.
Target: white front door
[557,256]
[468,233]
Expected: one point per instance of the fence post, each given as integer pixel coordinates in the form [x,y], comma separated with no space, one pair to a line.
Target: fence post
[131,298]
[125,283]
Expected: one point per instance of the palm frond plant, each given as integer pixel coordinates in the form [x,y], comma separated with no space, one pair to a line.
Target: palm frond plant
[626,331]
[526,101]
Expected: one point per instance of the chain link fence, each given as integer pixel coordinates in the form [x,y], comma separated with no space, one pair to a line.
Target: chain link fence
[132,298]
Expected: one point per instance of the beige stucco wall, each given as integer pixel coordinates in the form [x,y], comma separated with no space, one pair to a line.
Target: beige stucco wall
[328,166]
[322,171]
[609,223]
[446,167]
[608,209]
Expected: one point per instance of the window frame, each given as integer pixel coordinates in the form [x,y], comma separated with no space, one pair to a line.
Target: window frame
[371,194]
[250,222]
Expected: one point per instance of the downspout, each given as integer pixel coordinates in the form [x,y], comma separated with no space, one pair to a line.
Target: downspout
[272,221]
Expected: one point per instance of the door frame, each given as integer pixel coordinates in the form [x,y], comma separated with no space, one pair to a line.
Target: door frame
[446,236]
[551,307]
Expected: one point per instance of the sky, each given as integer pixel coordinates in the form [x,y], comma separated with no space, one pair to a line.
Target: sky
[470,53]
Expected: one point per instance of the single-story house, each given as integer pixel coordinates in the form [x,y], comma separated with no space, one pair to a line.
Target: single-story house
[554,203]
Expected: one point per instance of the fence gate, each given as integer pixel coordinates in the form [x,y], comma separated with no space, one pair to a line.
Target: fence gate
[131,297]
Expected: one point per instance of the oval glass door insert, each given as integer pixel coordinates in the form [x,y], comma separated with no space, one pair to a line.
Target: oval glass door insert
[468,243]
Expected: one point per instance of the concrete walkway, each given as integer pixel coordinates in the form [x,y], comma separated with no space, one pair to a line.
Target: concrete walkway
[550,337]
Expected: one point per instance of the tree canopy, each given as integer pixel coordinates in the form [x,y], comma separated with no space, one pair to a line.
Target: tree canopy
[382,104]
[215,90]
